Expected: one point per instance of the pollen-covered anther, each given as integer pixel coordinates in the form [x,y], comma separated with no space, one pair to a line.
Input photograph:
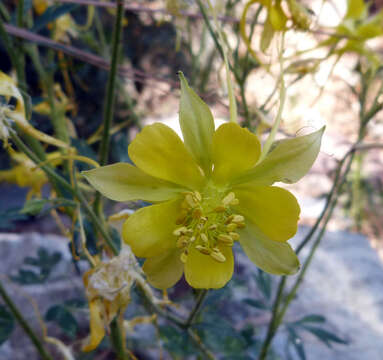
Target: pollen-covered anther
[203,249]
[204,239]
[217,255]
[180,231]
[231,227]
[182,241]
[225,239]
[234,236]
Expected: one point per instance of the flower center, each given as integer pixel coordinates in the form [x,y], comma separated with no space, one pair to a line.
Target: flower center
[207,222]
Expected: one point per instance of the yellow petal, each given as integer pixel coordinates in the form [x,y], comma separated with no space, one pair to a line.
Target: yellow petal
[164,270]
[197,125]
[289,161]
[271,256]
[97,331]
[125,182]
[159,152]
[275,211]
[235,150]
[149,231]
[203,272]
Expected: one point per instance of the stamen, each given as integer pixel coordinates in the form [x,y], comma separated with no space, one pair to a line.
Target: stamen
[234,236]
[206,223]
[217,255]
[204,250]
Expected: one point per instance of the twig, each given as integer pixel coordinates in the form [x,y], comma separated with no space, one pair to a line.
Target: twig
[24,324]
[95,60]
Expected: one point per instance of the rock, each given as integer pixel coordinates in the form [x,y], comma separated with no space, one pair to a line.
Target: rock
[64,283]
[344,284]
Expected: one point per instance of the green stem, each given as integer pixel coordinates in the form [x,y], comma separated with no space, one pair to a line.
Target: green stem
[110,89]
[197,307]
[117,340]
[24,324]
[76,193]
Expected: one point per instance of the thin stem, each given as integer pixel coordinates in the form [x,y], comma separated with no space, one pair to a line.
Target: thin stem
[197,307]
[110,89]
[60,180]
[24,324]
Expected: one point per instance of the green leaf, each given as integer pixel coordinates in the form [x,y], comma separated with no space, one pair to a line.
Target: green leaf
[175,342]
[314,318]
[263,281]
[197,125]
[297,343]
[43,265]
[259,304]
[34,206]
[63,318]
[289,161]
[325,336]
[7,324]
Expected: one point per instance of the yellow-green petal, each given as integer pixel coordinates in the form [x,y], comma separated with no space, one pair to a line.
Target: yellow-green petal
[164,270]
[288,161]
[275,211]
[197,125]
[235,150]
[149,231]
[158,151]
[125,182]
[203,272]
[271,256]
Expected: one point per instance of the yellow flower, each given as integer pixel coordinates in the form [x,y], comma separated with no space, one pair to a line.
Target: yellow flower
[209,192]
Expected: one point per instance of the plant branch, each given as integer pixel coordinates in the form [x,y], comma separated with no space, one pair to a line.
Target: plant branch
[24,324]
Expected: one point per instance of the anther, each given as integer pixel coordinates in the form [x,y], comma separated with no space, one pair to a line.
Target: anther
[238,219]
[204,238]
[180,231]
[231,227]
[228,199]
[190,201]
[197,213]
[204,250]
[182,241]
[234,236]
[225,239]
[229,219]
[220,209]
[217,255]
[198,196]
[213,227]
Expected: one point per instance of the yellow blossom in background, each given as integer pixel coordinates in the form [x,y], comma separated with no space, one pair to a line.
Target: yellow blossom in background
[208,192]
